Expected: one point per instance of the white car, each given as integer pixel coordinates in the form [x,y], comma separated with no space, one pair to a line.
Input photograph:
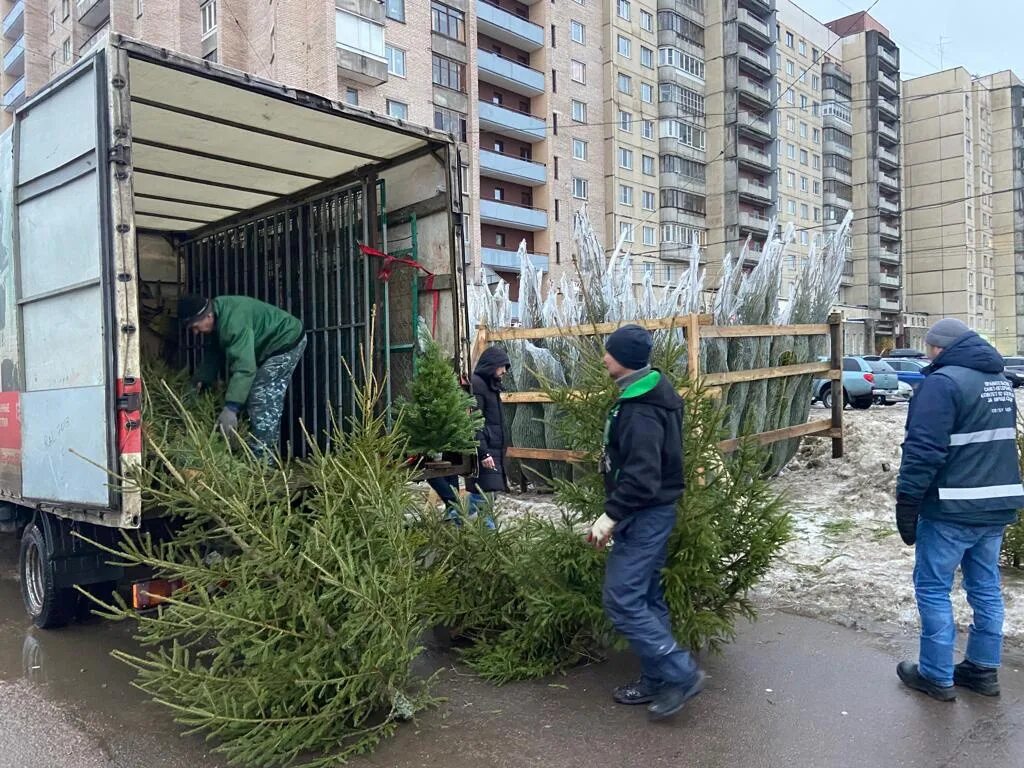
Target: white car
[888,397]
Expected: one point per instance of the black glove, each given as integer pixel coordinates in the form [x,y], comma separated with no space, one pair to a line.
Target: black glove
[227,422]
[906,520]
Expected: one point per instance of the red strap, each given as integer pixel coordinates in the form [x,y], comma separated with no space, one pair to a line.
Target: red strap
[390,262]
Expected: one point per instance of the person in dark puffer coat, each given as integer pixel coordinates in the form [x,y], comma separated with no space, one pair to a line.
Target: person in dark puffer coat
[959,487]
[486,388]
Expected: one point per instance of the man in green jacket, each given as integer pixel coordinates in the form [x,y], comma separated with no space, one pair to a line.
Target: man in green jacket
[261,345]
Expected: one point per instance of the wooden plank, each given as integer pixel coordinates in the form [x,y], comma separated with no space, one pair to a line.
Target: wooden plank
[749,331]
[542,397]
[591,329]
[479,345]
[757,374]
[545,454]
[693,347]
[822,426]
[836,342]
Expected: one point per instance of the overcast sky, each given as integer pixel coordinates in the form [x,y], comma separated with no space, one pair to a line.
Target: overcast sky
[984,36]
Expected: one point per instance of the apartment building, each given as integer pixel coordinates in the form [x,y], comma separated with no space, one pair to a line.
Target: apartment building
[868,64]
[948,193]
[741,152]
[1006,96]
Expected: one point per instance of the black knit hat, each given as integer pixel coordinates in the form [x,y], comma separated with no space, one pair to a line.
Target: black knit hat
[191,308]
[630,345]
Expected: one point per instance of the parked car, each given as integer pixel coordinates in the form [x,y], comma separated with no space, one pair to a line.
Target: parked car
[1014,370]
[907,353]
[909,370]
[864,382]
[901,395]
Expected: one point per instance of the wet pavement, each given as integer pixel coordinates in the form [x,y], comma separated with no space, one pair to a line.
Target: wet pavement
[790,692]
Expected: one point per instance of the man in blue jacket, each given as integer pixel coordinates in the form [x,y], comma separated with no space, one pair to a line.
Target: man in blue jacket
[958,489]
[642,464]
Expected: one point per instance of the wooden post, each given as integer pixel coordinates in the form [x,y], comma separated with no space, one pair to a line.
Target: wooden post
[835,322]
[693,348]
[479,345]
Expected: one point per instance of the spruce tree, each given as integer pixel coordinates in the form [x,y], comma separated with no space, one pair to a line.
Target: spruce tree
[440,416]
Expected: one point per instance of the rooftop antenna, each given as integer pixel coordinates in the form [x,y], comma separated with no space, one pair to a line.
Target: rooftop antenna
[943,42]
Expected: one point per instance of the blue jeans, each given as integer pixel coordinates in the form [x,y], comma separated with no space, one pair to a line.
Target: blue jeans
[447,489]
[634,597]
[941,547]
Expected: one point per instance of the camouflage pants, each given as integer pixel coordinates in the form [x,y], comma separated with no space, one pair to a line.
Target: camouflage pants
[266,398]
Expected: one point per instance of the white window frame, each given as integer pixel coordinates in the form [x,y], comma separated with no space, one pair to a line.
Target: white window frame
[626,195]
[624,47]
[624,79]
[622,9]
[391,52]
[645,161]
[647,129]
[646,57]
[646,92]
[372,47]
[394,102]
[649,239]
[646,21]
[581,106]
[578,27]
[66,50]
[580,188]
[628,229]
[626,158]
[578,71]
[580,149]
[208,18]
[648,196]
[625,121]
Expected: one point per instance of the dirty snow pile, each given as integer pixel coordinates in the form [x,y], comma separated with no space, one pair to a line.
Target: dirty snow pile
[846,562]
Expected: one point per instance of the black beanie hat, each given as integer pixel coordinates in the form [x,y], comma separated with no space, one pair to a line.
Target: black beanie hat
[630,345]
[191,308]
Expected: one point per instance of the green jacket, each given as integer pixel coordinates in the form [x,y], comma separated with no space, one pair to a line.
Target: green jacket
[248,332]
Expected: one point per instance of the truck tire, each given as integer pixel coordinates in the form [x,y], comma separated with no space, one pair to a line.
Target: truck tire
[826,397]
[861,403]
[48,606]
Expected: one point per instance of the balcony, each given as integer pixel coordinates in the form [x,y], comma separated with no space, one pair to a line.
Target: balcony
[888,57]
[14,96]
[753,222]
[14,59]
[888,206]
[832,147]
[14,21]
[889,83]
[888,306]
[889,281]
[753,90]
[831,172]
[360,68]
[510,75]
[495,165]
[887,107]
[839,199]
[519,216]
[888,180]
[755,190]
[761,6]
[888,157]
[889,231]
[753,124]
[754,157]
[509,122]
[499,258]
[93,13]
[887,132]
[508,28]
[755,57]
[752,24]
[889,256]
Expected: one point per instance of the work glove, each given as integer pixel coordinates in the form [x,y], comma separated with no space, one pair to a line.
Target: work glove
[601,531]
[227,422]
[906,520]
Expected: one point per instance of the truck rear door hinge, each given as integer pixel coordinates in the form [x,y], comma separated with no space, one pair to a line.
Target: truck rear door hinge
[130,401]
[121,154]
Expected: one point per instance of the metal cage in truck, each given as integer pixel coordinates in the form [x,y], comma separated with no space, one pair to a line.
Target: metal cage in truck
[141,173]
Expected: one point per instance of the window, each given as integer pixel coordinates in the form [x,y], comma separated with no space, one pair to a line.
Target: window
[791,151]
[690,31]
[53,21]
[803,102]
[803,157]
[691,169]
[579,149]
[579,111]
[646,21]
[814,54]
[817,187]
[815,83]
[685,201]
[647,129]
[450,122]
[448,73]
[625,195]
[358,34]
[625,84]
[448,22]
[789,39]
[790,67]
[579,71]
[53,63]
[626,231]
[791,180]
[499,193]
[624,46]
[398,109]
[626,158]
[802,48]
[648,201]
[805,184]
[646,57]
[649,237]
[687,134]
[66,49]
[579,188]
[65,9]
[689,101]
[791,207]
[396,10]
[625,121]
[805,211]
[816,162]
[673,57]
[622,8]
[208,18]
[816,136]
[578,32]
[678,233]
[803,130]
[790,96]
[647,165]
[647,93]
[790,124]
[499,239]
[396,61]
[817,214]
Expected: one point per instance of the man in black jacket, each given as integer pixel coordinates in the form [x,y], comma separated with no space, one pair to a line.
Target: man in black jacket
[486,387]
[642,465]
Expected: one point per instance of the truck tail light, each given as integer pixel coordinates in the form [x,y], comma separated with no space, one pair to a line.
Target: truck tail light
[151,593]
[869,377]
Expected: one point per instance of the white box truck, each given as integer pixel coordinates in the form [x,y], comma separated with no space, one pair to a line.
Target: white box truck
[141,173]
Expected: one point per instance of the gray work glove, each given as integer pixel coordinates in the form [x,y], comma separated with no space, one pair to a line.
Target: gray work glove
[227,422]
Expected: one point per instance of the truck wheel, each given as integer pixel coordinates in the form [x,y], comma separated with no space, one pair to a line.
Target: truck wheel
[826,397]
[861,403]
[48,606]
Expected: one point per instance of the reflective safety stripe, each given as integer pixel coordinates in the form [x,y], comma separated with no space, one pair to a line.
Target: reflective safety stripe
[982,492]
[984,436]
